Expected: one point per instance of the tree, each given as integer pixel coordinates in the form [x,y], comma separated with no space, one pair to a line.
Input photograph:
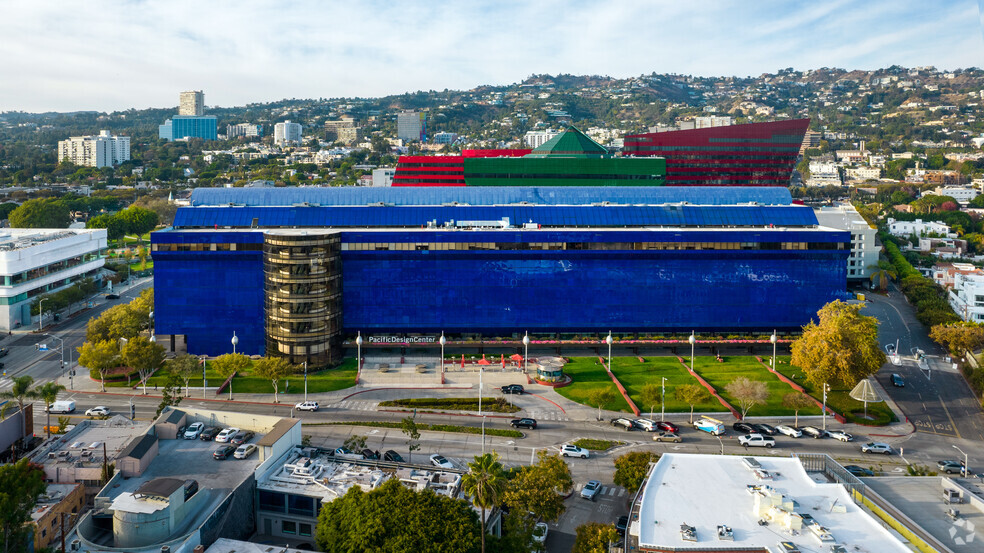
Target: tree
[540,489]
[100,356]
[797,401]
[115,226]
[138,221]
[170,397]
[594,537]
[40,213]
[20,392]
[958,338]
[748,393]
[409,427]
[119,321]
[692,394]
[394,518]
[842,347]
[355,443]
[143,355]
[651,395]
[274,368]
[883,272]
[48,393]
[231,363]
[601,397]
[184,367]
[484,483]
[631,469]
[21,484]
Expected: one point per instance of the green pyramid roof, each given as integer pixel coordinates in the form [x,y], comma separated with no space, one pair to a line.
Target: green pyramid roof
[570,143]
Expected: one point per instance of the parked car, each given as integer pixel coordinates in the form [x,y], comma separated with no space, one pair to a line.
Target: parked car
[523,423]
[764,429]
[370,455]
[244,451]
[897,380]
[757,440]
[307,406]
[194,430]
[393,456]
[209,433]
[226,435]
[223,452]
[241,437]
[841,435]
[876,447]
[622,524]
[591,490]
[667,427]
[743,427]
[950,466]
[100,411]
[4,352]
[667,437]
[569,450]
[512,389]
[813,431]
[112,296]
[623,422]
[858,471]
[645,424]
[790,431]
[439,461]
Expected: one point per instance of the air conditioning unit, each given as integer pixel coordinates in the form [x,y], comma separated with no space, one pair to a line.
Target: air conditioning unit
[76,545]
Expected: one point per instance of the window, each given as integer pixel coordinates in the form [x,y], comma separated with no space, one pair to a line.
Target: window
[300,505]
[289,527]
[272,501]
[305,529]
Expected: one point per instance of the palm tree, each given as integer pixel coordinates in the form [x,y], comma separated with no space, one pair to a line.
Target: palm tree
[883,272]
[48,393]
[484,483]
[20,392]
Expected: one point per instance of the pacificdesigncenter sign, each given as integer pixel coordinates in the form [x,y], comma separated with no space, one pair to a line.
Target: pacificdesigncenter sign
[401,339]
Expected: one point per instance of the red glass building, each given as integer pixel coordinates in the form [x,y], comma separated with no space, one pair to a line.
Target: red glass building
[441,170]
[753,154]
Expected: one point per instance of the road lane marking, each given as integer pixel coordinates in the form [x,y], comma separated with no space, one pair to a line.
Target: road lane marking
[953,424]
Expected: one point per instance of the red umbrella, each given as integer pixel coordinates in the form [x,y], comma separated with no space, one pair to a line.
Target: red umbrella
[484,361]
[503,359]
[462,360]
[516,357]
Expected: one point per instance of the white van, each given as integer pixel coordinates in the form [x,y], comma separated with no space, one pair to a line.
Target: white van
[66,406]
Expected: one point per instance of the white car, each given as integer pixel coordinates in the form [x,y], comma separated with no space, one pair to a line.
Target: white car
[574,451]
[99,411]
[307,406]
[226,435]
[194,430]
[244,451]
[439,461]
[876,447]
[790,431]
[840,435]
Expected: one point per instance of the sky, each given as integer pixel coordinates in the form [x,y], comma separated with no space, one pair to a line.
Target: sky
[109,55]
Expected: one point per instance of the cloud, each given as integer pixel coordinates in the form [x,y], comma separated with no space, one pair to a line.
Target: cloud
[121,54]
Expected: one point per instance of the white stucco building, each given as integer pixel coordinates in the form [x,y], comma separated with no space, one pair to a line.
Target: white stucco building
[864,251]
[105,150]
[959,193]
[967,296]
[287,133]
[919,228]
[37,261]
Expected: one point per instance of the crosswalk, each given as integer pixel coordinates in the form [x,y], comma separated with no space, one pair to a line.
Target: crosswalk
[6,383]
[606,491]
[357,405]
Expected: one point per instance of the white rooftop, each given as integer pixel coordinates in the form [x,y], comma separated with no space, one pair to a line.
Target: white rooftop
[704,491]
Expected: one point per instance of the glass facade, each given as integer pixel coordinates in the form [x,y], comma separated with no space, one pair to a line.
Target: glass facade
[179,126]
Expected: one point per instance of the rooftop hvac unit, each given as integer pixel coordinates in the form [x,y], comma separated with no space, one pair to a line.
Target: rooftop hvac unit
[76,545]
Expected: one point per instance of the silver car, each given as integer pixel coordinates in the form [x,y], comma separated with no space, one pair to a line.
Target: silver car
[591,490]
[876,447]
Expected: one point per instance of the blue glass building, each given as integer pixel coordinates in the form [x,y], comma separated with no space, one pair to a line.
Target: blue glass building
[295,270]
[189,126]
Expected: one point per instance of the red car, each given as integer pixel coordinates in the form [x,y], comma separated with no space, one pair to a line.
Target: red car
[667,427]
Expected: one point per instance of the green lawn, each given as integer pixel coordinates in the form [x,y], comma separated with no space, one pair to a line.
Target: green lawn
[720,374]
[634,375]
[328,380]
[588,375]
[838,397]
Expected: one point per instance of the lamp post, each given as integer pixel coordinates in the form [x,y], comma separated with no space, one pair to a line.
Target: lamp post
[442,341]
[963,470]
[826,388]
[204,380]
[358,343]
[235,341]
[692,340]
[773,339]
[41,314]
[526,353]
[662,403]
[481,372]
[608,340]
[151,323]
[305,381]
[61,349]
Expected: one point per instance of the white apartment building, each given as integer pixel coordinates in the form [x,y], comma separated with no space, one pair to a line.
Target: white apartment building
[919,228]
[706,122]
[823,173]
[967,296]
[959,193]
[244,130]
[383,176]
[864,251]
[863,173]
[37,261]
[411,125]
[444,138]
[105,150]
[287,133]
[535,139]
[192,102]
[945,274]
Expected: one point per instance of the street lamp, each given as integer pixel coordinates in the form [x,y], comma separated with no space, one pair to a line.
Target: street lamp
[358,343]
[204,380]
[526,353]
[662,403]
[692,340]
[235,341]
[773,339]
[608,340]
[826,388]
[963,470]
[442,341]
[305,381]
[41,314]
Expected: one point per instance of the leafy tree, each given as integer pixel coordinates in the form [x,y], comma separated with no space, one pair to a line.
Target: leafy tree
[184,367]
[40,213]
[601,397]
[484,483]
[6,208]
[958,338]
[231,363]
[274,368]
[171,395]
[842,347]
[883,272]
[355,443]
[651,395]
[119,321]
[631,469]
[692,394]
[143,355]
[138,221]
[20,392]
[409,427]
[594,537]
[539,489]
[115,226]
[100,356]
[48,393]
[748,393]
[797,401]
[21,484]
[395,519]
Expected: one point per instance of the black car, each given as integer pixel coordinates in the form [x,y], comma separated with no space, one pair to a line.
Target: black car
[370,455]
[391,455]
[112,296]
[224,452]
[897,380]
[209,433]
[744,428]
[858,471]
[621,524]
[523,423]
[764,429]
[242,437]
[813,431]
[512,389]
[4,352]
[624,423]
[667,427]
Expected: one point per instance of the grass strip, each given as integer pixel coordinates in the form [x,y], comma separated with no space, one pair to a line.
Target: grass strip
[596,445]
[432,427]
[494,404]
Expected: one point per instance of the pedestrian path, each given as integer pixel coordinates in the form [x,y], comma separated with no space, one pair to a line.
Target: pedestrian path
[356,405]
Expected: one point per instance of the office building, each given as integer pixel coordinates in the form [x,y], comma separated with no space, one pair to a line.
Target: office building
[192,103]
[441,170]
[38,261]
[753,154]
[294,271]
[444,138]
[343,130]
[411,125]
[105,150]
[287,133]
[181,127]
[244,130]
[383,176]
[863,260]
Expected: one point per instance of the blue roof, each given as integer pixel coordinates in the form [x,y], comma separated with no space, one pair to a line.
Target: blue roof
[547,216]
[490,195]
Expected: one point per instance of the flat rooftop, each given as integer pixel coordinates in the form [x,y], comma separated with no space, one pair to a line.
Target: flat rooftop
[20,238]
[84,443]
[225,545]
[704,491]
[53,495]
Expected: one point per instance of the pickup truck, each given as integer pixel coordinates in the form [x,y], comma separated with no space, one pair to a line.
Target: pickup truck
[756,440]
